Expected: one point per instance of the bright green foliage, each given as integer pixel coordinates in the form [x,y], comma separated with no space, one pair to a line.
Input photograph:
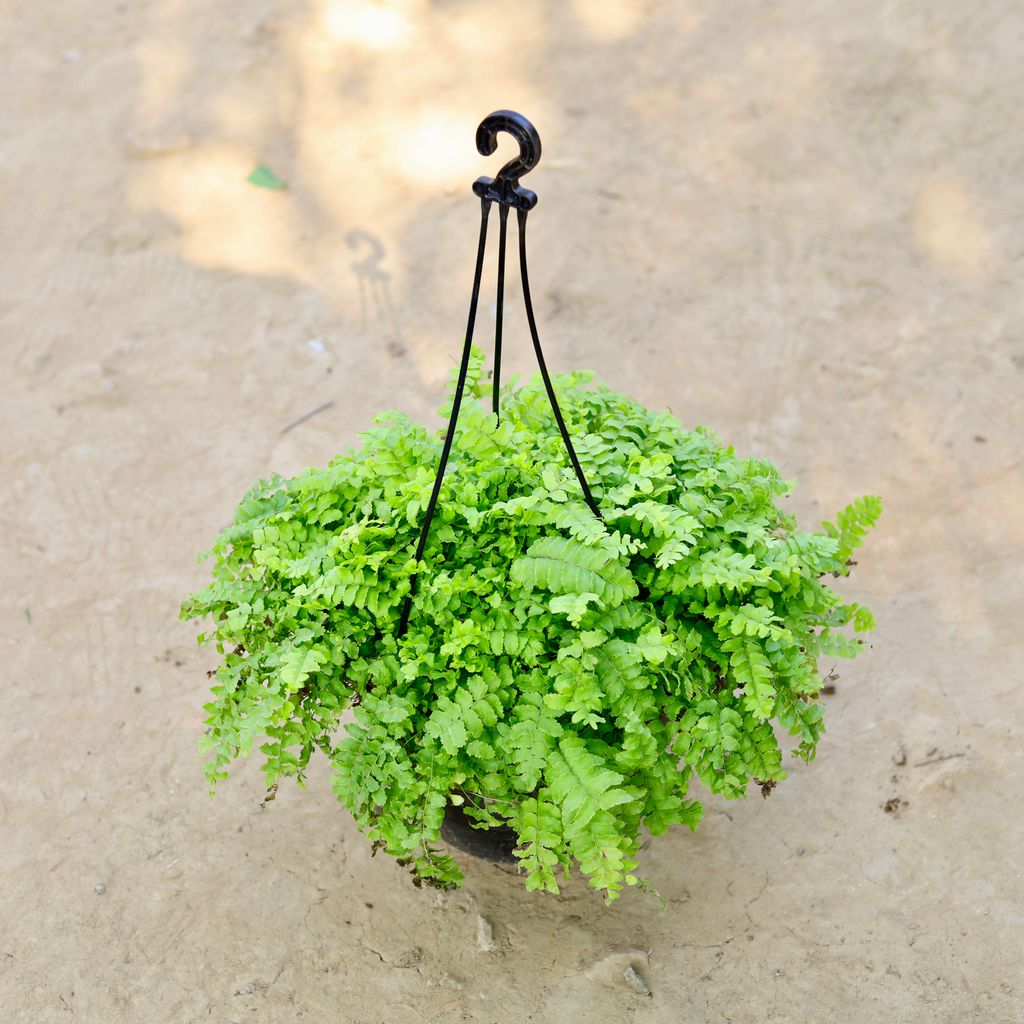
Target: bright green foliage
[853,523]
[565,675]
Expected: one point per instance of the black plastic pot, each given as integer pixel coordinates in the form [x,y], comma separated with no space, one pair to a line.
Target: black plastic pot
[492,844]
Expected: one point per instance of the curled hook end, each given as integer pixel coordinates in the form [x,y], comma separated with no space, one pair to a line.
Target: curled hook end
[505,187]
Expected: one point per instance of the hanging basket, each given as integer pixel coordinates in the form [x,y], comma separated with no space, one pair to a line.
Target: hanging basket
[545,641]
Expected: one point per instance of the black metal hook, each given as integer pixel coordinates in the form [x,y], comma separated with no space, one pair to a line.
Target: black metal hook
[505,188]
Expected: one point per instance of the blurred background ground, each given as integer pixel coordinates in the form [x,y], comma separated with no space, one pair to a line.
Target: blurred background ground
[797,223]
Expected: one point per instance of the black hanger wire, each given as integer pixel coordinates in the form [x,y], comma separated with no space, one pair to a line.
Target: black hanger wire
[506,191]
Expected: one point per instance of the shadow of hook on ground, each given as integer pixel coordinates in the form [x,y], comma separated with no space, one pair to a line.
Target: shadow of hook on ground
[375,305]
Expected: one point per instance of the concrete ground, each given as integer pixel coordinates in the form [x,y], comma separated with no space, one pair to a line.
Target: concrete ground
[797,223]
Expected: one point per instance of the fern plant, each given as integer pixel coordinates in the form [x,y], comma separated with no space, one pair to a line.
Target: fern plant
[566,676]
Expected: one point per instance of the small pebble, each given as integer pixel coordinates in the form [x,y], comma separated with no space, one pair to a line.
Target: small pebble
[484,934]
[99,889]
[617,967]
[636,982]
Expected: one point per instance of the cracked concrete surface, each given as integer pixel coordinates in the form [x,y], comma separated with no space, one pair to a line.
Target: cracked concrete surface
[798,224]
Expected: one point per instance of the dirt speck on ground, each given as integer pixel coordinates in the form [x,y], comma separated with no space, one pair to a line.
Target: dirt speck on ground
[797,224]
